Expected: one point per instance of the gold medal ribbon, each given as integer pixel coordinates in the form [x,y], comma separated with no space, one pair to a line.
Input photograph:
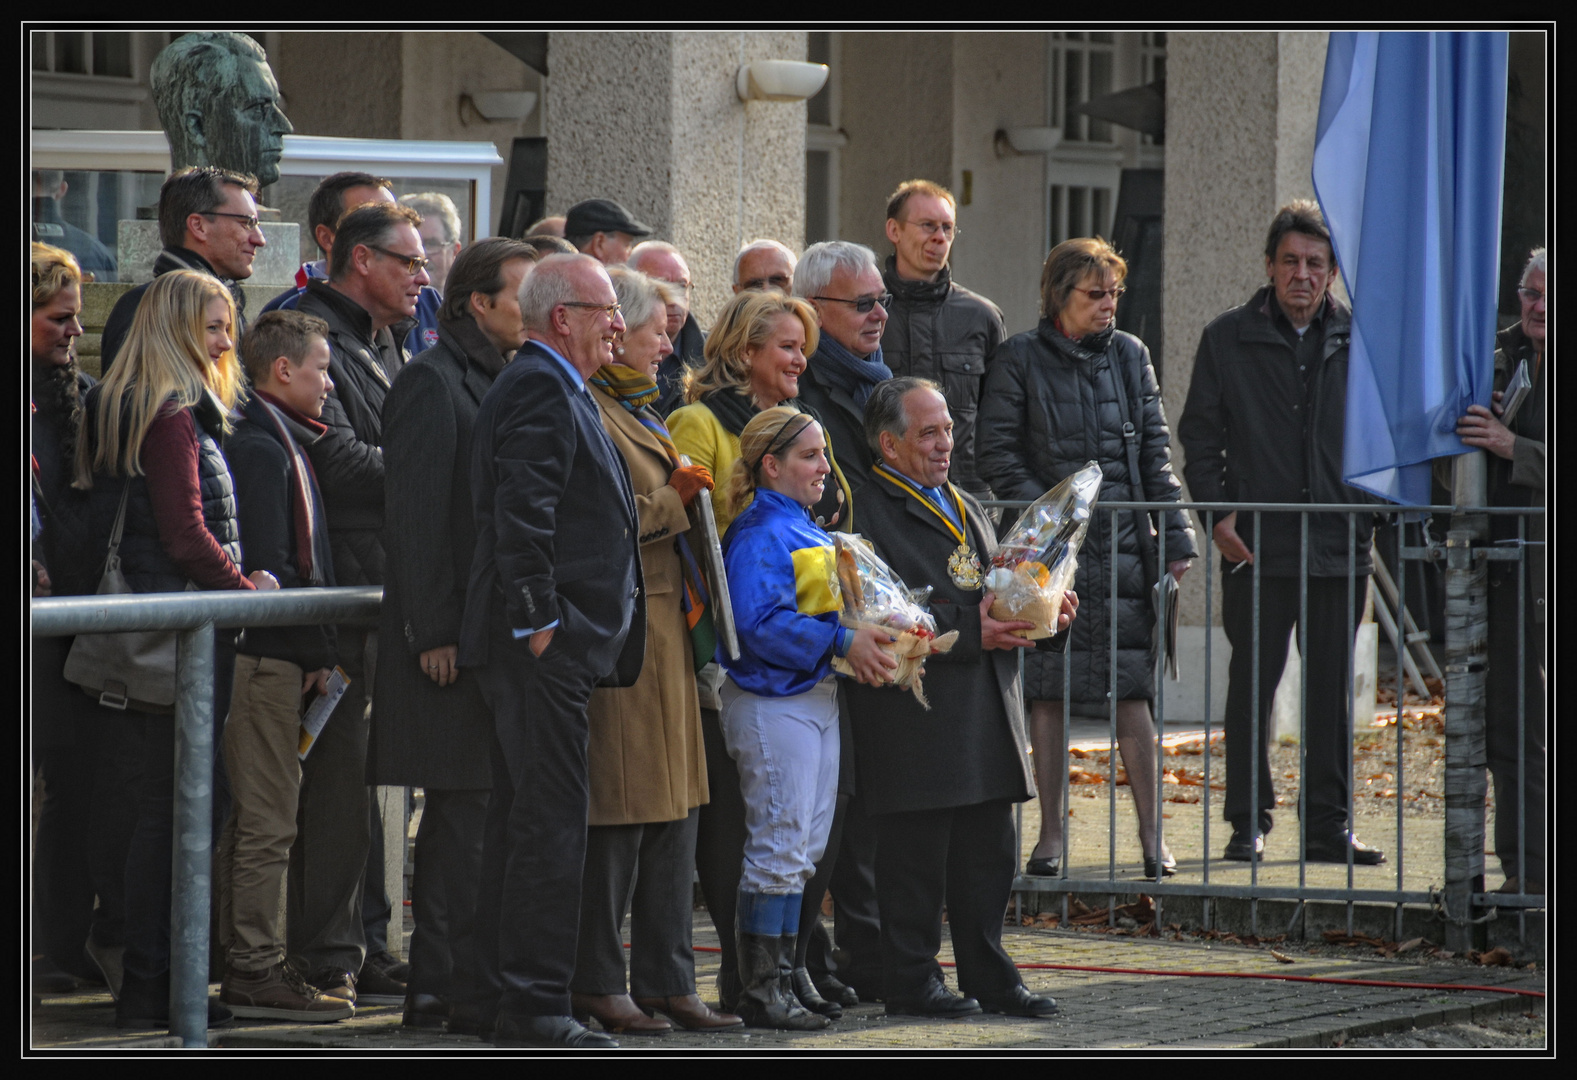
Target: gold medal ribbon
[957,531]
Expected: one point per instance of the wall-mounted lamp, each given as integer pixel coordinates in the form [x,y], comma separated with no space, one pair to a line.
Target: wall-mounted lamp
[779,80]
[1011,142]
[498,105]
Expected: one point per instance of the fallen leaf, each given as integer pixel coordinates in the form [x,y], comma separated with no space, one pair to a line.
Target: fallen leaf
[1410,945]
[1499,956]
[1282,958]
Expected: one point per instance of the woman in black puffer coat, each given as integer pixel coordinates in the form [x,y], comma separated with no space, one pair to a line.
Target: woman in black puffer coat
[1052,404]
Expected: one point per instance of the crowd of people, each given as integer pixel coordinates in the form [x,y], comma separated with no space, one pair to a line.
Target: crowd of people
[518,440]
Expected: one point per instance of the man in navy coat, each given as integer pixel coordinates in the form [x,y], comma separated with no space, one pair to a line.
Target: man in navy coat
[552,608]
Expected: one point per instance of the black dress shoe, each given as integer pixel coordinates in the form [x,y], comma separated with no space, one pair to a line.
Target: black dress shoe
[934,1001]
[1019,1001]
[549,1032]
[1244,846]
[832,988]
[1049,867]
[425,1011]
[1333,849]
[473,1019]
[1168,866]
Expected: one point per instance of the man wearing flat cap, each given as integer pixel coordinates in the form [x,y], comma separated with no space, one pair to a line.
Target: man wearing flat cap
[604,230]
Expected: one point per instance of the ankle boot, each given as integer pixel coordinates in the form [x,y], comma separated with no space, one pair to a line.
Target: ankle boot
[762,1002]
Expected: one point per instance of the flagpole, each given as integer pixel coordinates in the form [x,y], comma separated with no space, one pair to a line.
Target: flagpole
[1467,655]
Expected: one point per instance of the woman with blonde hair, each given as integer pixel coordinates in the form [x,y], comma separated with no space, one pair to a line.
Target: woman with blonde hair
[755,353]
[68,744]
[780,702]
[149,455]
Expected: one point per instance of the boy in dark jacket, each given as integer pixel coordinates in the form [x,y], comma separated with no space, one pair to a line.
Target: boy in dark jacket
[283,532]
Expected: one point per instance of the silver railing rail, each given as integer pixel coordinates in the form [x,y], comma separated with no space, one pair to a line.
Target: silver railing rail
[1460,902]
[195,615]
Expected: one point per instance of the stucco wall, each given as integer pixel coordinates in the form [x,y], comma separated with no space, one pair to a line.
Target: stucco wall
[341,83]
[440,67]
[664,133]
[1241,111]
[1001,83]
[898,112]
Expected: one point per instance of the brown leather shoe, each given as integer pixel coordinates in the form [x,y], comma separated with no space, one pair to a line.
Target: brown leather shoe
[690,1012]
[618,1014]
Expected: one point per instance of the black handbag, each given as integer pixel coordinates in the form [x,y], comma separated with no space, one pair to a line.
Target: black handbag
[134,669]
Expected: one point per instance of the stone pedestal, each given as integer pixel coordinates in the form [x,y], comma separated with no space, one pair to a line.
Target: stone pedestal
[276,264]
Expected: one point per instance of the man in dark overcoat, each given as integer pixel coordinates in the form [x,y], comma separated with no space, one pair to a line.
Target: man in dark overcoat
[941,782]
[552,608]
[430,726]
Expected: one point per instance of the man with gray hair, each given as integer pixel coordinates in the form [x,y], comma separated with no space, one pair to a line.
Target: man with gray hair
[843,285]
[440,231]
[1516,758]
[764,264]
[219,104]
[375,276]
[553,607]
[662,261]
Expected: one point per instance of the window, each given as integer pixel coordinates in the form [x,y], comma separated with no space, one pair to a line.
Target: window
[1080,71]
[83,52]
[824,143]
[1078,210]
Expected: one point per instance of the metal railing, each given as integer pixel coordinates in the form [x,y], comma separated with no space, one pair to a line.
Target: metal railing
[195,615]
[1459,901]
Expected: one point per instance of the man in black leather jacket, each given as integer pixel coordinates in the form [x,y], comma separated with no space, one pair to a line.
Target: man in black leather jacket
[936,328]
[1265,423]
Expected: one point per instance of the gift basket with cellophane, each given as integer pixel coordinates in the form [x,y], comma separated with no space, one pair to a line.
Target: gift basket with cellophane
[873,596]
[1036,560]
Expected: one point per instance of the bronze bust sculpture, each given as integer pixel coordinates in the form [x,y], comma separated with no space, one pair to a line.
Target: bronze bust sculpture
[219,104]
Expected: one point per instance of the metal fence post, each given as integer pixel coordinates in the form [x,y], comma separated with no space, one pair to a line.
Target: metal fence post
[193,863]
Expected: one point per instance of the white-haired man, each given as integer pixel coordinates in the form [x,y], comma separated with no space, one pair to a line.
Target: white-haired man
[662,261]
[764,264]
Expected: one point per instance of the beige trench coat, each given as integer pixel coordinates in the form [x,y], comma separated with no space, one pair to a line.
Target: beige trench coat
[646,762]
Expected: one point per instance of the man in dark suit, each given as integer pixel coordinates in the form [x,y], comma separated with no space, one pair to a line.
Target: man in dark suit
[551,609]
[430,727]
[941,784]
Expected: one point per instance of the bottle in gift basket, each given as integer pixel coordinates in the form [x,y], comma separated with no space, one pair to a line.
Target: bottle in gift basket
[1035,563]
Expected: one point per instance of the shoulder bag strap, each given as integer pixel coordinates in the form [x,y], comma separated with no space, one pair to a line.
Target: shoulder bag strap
[1142,519]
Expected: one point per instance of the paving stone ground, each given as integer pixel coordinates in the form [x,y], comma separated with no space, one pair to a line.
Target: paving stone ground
[1122,1009]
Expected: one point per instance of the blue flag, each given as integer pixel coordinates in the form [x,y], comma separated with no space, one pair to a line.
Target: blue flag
[1408,157]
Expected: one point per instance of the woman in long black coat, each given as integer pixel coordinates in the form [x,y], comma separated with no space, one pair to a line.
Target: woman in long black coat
[1052,404]
[430,725]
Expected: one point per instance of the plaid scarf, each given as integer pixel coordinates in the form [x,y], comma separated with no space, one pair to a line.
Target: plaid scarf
[635,392]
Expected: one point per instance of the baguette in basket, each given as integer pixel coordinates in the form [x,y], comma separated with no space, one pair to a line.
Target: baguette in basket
[872,595]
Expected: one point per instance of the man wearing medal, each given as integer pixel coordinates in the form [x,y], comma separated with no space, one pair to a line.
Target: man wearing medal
[941,783]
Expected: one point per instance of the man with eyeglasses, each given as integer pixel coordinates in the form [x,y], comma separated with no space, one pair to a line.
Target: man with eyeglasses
[207,223]
[661,260]
[842,282]
[764,264]
[376,274]
[332,199]
[1264,422]
[553,607]
[938,329]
